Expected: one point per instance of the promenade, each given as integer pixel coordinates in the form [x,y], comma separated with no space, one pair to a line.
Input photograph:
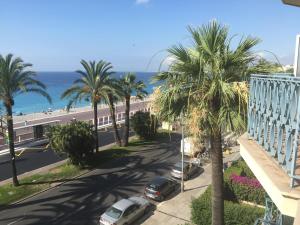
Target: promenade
[23,125]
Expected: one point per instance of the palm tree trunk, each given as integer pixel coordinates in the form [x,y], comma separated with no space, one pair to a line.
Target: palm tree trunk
[10,128]
[217,179]
[96,126]
[126,128]
[113,118]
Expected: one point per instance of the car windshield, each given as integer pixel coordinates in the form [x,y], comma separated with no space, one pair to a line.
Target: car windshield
[178,166]
[114,213]
[153,186]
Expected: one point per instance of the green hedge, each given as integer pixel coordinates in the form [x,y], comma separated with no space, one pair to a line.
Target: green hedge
[239,168]
[234,214]
[234,169]
[240,192]
[246,171]
[144,124]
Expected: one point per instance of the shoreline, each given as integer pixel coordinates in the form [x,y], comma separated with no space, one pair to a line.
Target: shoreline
[30,117]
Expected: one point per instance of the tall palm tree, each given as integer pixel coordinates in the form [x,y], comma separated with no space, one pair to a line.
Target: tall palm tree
[129,87]
[93,85]
[204,78]
[112,97]
[16,80]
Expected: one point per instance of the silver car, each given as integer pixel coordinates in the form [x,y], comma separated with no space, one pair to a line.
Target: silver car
[189,169]
[125,211]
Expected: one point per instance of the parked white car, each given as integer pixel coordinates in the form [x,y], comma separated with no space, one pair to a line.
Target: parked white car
[125,211]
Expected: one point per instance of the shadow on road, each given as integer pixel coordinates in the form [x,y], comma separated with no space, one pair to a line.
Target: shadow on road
[83,200]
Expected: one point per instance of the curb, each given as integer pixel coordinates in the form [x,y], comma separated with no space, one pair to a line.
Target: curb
[40,170]
[47,189]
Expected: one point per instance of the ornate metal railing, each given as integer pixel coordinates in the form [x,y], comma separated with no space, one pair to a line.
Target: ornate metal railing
[273,118]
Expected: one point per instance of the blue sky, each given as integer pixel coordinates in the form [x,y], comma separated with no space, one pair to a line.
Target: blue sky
[55,34]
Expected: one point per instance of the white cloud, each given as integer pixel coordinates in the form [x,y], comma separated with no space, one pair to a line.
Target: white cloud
[142,1]
[168,61]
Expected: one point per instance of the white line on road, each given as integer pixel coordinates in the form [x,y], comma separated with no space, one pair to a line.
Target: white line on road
[16,221]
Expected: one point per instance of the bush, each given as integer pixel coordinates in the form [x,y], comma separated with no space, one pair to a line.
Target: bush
[246,170]
[241,185]
[234,169]
[75,139]
[144,124]
[234,214]
[246,189]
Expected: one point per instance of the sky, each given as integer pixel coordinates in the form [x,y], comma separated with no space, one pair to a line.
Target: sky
[54,35]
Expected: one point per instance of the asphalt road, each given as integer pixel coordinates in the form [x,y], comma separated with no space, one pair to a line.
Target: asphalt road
[83,200]
[37,159]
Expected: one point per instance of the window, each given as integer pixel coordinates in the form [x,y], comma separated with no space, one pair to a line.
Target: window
[114,213]
[130,210]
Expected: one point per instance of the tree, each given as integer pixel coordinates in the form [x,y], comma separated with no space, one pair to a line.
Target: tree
[15,79]
[263,66]
[129,87]
[75,139]
[204,78]
[112,97]
[93,86]
[144,124]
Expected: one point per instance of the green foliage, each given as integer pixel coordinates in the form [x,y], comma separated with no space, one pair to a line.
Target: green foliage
[263,66]
[240,192]
[36,183]
[130,86]
[234,214]
[232,170]
[16,79]
[93,85]
[246,171]
[239,168]
[74,139]
[144,124]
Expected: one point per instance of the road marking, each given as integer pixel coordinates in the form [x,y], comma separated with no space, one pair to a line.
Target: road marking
[16,221]
[138,175]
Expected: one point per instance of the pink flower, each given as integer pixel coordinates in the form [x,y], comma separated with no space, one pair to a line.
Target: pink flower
[245,181]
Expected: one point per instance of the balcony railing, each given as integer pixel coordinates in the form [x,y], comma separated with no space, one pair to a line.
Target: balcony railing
[274,118]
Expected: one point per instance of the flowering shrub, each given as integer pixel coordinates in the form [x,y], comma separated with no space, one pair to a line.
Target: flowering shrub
[252,182]
[247,189]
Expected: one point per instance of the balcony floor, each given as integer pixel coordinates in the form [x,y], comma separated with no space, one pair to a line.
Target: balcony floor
[273,178]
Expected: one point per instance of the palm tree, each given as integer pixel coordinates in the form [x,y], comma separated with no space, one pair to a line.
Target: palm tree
[129,87]
[205,79]
[93,85]
[112,97]
[16,80]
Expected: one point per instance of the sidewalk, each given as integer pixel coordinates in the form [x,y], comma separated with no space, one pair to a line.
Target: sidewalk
[177,210]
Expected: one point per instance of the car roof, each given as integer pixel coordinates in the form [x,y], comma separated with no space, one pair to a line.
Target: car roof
[123,204]
[159,180]
[180,163]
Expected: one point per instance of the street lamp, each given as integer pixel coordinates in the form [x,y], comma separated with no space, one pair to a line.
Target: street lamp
[182,154]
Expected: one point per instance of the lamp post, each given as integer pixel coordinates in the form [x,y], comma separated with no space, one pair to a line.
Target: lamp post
[182,154]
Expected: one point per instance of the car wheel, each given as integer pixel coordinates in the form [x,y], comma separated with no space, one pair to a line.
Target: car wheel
[147,209]
[161,198]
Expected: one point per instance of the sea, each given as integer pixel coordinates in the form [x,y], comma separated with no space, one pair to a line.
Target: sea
[57,83]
